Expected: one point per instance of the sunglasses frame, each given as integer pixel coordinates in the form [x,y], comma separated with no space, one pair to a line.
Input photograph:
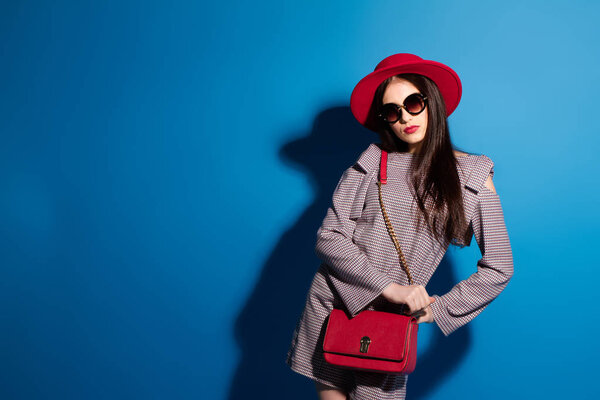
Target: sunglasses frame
[400,107]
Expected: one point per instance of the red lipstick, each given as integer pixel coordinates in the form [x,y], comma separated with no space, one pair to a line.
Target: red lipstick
[411,129]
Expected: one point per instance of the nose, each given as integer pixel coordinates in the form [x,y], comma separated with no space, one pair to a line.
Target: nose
[402,119]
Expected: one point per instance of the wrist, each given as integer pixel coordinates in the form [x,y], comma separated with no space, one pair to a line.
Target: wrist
[390,291]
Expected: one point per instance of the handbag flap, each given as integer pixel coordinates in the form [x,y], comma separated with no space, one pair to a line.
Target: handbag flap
[381,335]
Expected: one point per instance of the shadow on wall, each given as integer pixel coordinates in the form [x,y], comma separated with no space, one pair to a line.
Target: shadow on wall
[265,325]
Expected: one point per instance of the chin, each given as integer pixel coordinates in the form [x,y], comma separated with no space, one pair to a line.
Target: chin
[412,139]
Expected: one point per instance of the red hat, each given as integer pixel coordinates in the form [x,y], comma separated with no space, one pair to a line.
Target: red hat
[444,77]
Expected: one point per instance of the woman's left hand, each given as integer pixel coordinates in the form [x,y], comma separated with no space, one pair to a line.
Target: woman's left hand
[424,315]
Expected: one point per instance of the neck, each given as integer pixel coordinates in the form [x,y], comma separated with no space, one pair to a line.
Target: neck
[414,148]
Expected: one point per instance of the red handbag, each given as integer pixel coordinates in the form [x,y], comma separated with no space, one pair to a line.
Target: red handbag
[375,341]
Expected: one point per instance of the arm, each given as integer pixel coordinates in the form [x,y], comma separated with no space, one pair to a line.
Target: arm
[355,280]
[470,297]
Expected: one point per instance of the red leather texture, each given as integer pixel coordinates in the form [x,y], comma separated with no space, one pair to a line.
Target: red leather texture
[383,167]
[393,341]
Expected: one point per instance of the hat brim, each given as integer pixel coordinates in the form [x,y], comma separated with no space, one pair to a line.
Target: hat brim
[444,77]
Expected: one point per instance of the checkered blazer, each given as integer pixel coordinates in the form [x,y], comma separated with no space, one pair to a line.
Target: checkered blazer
[358,257]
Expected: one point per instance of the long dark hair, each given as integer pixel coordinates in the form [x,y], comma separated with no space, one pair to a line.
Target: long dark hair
[434,175]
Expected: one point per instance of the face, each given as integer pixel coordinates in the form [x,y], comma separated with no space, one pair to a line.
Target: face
[398,90]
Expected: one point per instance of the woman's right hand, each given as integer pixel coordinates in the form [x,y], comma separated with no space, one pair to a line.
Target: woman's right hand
[414,296]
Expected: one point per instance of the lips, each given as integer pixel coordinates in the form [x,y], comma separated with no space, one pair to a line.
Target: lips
[411,129]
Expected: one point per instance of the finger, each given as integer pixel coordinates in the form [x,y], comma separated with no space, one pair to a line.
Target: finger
[415,303]
[431,300]
[423,293]
[420,299]
[428,315]
[413,308]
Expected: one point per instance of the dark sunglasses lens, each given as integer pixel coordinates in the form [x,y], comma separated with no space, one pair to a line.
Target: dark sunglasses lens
[414,104]
[389,113]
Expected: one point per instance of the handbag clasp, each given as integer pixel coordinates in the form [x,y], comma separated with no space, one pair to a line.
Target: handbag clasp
[365,341]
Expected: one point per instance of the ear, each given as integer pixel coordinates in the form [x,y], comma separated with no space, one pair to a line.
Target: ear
[489,184]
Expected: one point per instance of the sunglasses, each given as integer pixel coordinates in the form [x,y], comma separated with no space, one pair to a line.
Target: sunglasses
[413,104]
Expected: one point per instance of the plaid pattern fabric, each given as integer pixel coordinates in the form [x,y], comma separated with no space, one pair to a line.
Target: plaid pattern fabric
[358,260]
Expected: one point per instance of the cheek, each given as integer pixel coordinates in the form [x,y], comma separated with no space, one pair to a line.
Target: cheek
[397,129]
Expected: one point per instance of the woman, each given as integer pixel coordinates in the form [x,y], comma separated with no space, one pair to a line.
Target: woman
[435,196]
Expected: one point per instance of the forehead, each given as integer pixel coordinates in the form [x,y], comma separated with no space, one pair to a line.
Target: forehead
[397,90]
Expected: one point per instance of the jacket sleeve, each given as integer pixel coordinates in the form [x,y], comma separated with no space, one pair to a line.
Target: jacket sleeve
[355,279]
[471,296]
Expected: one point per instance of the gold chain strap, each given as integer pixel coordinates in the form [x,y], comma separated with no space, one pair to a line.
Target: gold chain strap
[393,235]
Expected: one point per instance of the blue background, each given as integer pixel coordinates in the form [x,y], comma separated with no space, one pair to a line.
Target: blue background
[165,167]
